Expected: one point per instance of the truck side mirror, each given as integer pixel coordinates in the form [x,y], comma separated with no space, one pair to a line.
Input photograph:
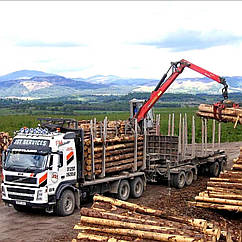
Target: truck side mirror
[60,164]
[4,155]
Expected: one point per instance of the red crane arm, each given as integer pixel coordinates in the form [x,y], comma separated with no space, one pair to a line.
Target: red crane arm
[177,69]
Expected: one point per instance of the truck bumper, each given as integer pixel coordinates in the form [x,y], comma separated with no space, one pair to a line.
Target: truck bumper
[27,204]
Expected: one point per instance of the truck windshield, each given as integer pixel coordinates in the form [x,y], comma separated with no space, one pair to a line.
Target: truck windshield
[25,161]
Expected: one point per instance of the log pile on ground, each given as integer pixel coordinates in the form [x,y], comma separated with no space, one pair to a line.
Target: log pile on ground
[119,154]
[114,128]
[224,192]
[5,141]
[113,220]
[225,115]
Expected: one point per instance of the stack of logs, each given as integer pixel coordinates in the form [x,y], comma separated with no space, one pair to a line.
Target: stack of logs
[114,128]
[5,141]
[113,220]
[224,192]
[226,115]
[119,154]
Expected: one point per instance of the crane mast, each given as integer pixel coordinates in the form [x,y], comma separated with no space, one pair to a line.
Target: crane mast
[177,68]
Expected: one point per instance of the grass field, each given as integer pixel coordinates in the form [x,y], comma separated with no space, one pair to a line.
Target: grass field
[11,123]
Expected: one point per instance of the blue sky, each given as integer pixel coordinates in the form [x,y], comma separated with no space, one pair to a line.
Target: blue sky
[123,38]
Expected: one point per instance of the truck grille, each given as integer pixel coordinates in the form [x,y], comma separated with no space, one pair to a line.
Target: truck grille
[21,179]
[20,193]
[20,190]
[18,197]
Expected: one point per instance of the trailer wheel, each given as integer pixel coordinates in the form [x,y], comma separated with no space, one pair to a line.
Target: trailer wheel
[189,178]
[136,187]
[179,179]
[214,169]
[123,190]
[66,203]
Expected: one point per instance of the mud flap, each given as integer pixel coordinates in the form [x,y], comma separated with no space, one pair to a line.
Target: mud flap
[77,198]
[114,187]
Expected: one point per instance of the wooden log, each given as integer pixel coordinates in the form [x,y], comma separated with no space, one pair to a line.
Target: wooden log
[115,152]
[115,164]
[237,167]
[121,139]
[122,167]
[227,111]
[225,185]
[94,237]
[230,190]
[114,158]
[114,147]
[234,174]
[140,234]
[224,118]
[231,179]
[200,223]
[219,200]
[162,224]
[217,206]
[225,196]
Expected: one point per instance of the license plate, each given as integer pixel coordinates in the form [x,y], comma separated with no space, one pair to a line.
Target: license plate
[20,203]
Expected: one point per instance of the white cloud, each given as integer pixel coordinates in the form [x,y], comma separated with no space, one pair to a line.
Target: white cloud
[106,32]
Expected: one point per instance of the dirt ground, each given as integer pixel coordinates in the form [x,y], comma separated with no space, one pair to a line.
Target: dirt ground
[39,226]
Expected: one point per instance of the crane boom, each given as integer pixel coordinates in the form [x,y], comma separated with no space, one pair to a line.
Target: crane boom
[164,84]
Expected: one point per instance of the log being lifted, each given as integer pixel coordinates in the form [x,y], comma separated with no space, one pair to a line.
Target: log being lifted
[225,115]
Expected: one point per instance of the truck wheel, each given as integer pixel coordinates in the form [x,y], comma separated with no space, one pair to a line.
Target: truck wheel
[179,179]
[136,187]
[66,203]
[214,169]
[123,190]
[189,178]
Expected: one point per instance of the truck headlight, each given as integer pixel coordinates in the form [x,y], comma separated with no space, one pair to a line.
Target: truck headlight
[54,177]
[39,195]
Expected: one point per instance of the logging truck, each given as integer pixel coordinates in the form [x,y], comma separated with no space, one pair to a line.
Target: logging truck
[55,168]
[45,169]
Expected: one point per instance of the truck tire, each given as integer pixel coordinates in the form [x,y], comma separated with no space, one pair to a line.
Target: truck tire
[66,204]
[179,180]
[189,177]
[123,190]
[136,187]
[214,169]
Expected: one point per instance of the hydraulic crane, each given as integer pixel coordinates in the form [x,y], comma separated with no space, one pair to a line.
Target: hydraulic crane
[177,68]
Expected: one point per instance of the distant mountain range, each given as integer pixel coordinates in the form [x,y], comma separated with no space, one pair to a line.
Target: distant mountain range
[37,84]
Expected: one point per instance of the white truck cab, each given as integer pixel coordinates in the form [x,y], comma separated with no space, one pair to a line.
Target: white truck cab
[37,166]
